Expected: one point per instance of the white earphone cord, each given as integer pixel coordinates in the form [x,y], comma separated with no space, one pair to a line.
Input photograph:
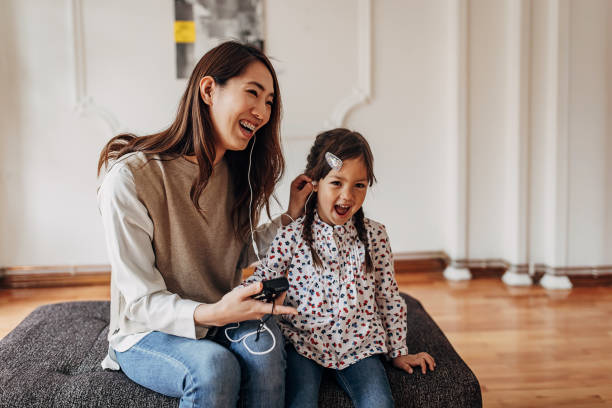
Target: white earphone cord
[262,323]
[246,346]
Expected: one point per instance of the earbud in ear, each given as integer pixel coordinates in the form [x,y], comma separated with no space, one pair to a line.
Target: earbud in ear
[315,185]
[206,85]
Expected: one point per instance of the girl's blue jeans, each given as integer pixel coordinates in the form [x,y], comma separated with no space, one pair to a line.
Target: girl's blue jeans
[365,382]
[211,372]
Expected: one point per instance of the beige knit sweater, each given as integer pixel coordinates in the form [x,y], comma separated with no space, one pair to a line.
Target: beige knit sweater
[165,258]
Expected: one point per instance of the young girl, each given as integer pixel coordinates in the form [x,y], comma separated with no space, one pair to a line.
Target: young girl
[340,269]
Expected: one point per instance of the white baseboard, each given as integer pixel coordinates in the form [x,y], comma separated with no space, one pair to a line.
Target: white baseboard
[549,281]
[456,274]
[516,279]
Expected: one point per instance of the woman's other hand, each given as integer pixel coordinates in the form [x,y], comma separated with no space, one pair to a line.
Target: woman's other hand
[301,187]
[237,306]
[414,360]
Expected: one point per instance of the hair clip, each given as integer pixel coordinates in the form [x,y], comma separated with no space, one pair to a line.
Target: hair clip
[334,162]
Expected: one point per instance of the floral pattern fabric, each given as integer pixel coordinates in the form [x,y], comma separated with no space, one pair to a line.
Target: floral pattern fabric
[345,313]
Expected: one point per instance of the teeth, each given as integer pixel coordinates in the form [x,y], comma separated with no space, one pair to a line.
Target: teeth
[248,125]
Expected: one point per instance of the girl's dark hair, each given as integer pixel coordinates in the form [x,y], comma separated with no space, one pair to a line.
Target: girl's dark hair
[344,144]
[191,133]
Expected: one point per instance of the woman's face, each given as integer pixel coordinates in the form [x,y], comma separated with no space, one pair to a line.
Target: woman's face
[240,107]
[340,194]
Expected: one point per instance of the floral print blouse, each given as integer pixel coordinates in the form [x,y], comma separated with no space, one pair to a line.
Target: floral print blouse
[345,313]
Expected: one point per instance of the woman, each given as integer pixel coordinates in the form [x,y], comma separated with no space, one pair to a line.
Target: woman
[177,208]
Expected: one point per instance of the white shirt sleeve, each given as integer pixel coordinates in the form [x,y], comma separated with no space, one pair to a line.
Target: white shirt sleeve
[129,234]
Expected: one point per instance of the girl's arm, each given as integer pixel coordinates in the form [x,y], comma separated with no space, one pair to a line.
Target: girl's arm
[279,255]
[274,265]
[264,234]
[391,306]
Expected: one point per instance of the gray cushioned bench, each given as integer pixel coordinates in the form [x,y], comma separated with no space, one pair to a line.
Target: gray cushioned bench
[52,359]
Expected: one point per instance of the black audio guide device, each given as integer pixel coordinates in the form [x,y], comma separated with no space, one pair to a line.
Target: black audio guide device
[271,289]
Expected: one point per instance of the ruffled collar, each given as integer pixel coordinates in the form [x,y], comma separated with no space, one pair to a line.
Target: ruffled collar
[346,230]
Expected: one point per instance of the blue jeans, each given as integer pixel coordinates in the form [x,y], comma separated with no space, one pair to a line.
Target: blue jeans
[365,382]
[211,372]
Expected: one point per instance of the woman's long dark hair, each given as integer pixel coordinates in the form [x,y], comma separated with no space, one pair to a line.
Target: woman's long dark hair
[344,144]
[191,133]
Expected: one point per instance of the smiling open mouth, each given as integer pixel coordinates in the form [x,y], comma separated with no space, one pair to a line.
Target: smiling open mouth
[247,126]
[342,209]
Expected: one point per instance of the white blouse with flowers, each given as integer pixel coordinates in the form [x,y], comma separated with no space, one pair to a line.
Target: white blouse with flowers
[345,313]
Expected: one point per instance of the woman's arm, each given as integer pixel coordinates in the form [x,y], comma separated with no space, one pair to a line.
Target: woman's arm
[237,306]
[129,233]
[301,187]
[391,306]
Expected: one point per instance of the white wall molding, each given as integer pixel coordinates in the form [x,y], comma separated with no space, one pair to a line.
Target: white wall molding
[454,273]
[608,238]
[518,171]
[459,134]
[553,282]
[518,275]
[362,91]
[559,24]
[511,278]
[84,104]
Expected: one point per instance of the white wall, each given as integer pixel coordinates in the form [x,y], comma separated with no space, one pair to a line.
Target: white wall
[588,132]
[406,121]
[471,105]
[608,200]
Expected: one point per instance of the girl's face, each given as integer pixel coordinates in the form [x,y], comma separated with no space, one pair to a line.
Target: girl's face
[240,107]
[340,194]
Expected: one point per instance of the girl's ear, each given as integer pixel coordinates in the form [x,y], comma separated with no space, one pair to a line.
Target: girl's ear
[207,88]
[315,186]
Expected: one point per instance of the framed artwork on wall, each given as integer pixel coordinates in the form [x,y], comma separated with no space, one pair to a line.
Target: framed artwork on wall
[200,25]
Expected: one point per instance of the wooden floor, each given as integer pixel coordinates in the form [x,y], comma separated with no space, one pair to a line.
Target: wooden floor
[528,347]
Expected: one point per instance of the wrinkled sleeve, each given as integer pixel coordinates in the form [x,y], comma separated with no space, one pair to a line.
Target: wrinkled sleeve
[390,304]
[129,233]
[277,260]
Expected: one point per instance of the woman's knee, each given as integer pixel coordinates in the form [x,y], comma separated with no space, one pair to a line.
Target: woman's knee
[215,381]
[218,369]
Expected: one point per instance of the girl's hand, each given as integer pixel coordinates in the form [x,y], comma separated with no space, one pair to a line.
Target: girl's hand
[301,187]
[238,306]
[414,360]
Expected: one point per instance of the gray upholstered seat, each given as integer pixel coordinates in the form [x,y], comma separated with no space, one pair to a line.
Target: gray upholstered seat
[52,359]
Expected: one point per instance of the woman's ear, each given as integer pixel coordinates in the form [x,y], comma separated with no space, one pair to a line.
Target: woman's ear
[315,186]
[207,88]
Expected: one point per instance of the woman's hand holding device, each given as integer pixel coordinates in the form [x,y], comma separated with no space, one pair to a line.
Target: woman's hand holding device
[238,306]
